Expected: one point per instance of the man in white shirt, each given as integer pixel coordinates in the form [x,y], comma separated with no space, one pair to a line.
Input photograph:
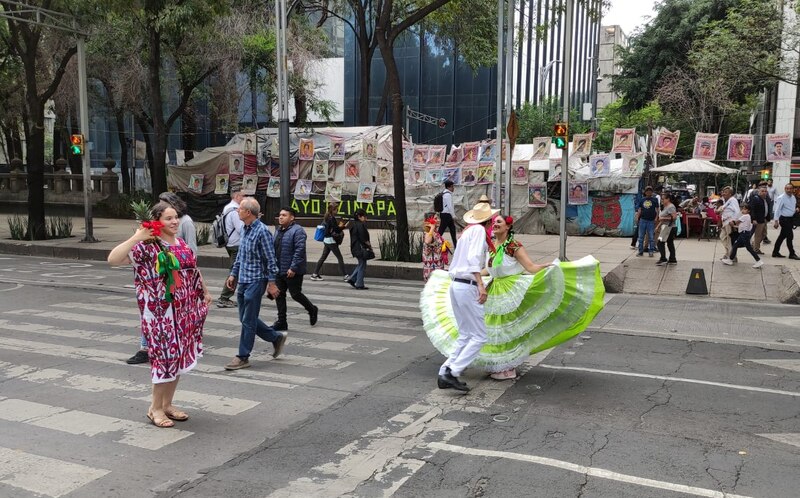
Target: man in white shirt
[233,227]
[448,214]
[467,295]
[730,213]
[785,209]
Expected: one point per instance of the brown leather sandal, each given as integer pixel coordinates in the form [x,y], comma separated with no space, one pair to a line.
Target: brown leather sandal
[160,422]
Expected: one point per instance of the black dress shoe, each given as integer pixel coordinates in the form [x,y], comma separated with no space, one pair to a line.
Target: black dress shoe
[312,316]
[447,381]
[280,326]
[362,288]
[794,256]
[777,255]
[766,241]
[351,282]
[140,357]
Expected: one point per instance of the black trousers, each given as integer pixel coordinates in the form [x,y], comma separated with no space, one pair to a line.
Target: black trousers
[786,234]
[447,221]
[670,243]
[330,248]
[295,287]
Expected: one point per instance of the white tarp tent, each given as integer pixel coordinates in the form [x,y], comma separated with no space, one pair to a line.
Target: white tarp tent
[695,166]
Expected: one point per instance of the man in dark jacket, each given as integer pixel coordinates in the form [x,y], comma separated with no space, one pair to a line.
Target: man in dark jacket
[290,251]
[759,209]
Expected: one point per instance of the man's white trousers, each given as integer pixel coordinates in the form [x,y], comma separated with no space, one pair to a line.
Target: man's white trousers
[471,327]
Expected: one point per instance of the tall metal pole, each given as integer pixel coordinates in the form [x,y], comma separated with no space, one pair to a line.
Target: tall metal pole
[499,133]
[509,101]
[283,99]
[562,222]
[83,102]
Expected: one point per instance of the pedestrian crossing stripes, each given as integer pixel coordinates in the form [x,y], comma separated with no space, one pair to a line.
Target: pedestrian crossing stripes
[65,380]
[23,470]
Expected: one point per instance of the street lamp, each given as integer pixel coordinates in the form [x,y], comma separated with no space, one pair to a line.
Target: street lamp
[544,72]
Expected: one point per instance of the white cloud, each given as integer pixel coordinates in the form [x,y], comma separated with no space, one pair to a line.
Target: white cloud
[629,14]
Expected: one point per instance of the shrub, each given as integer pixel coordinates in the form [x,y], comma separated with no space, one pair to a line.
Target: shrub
[387,241]
[59,227]
[202,232]
[120,206]
[18,226]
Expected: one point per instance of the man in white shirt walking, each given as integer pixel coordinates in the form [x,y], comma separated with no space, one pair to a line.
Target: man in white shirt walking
[448,214]
[467,295]
[730,213]
[233,228]
[785,209]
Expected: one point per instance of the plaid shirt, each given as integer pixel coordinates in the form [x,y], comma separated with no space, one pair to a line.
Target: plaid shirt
[256,259]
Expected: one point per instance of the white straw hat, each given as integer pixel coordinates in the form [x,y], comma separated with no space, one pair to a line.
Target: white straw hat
[480,213]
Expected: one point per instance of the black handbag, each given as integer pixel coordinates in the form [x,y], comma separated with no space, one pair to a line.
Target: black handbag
[338,237]
[368,253]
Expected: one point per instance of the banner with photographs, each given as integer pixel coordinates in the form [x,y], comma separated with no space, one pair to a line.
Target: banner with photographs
[705,146]
[249,183]
[434,176]
[249,145]
[221,184]
[196,184]
[262,170]
[599,165]
[554,173]
[416,176]
[667,142]
[421,155]
[485,173]
[487,152]
[779,147]
[235,164]
[436,155]
[383,174]
[632,165]
[740,148]
[370,149]
[520,172]
[366,192]
[537,195]
[469,174]
[471,152]
[302,189]
[578,193]
[582,144]
[352,171]
[320,171]
[623,140]
[333,167]
[337,150]
[333,191]
[306,149]
[456,155]
[541,148]
[274,187]
[535,177]
[453,175]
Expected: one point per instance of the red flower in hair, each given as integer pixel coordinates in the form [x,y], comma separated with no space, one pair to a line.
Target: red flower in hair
[431,220]
[154,225]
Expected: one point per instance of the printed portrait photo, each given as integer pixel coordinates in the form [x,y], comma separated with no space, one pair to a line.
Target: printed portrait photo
[537,195]
[196,184]
[306,149]
[578,193]
[337,150]
[705,146]
[599,165]
[221,184]
[249,183]
[236,164]
[541,148]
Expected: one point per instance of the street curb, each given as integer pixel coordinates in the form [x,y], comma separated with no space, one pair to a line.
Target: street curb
[790,286]
[375,268]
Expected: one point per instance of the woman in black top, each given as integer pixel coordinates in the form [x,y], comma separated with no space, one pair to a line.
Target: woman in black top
[360,248]
[333,237]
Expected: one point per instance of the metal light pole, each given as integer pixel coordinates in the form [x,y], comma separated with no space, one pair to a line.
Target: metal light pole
[281,19]
[509,103]
[83,102]
[562,222]
[499,132]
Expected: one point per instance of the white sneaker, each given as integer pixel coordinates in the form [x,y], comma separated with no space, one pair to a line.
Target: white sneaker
[316,277]
[758,264]
[346,278]
[727,261]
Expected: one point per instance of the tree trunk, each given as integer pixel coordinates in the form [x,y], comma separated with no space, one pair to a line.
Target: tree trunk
[300,108]
[364,77]
[144,129]
[158,167]
[119,116]
[393,82]
[35,165]
[382,107]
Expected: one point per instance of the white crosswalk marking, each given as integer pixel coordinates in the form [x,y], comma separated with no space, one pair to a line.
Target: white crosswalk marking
[24,471]
[79,422]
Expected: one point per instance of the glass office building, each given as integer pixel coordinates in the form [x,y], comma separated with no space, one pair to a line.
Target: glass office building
[439,83]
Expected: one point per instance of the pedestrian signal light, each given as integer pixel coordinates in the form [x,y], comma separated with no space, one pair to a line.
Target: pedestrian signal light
[77,144]
[765,174]
[560,135]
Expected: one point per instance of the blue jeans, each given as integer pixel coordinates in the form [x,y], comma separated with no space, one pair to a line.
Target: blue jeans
[249,300]
[649,227]
[358,274]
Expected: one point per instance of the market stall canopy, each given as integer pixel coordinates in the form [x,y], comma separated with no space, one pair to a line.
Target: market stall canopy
[695,166]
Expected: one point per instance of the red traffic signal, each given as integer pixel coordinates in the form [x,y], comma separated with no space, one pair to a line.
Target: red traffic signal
[560,135]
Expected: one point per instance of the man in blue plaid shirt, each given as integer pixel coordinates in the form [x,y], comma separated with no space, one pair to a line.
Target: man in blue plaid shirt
[254,271]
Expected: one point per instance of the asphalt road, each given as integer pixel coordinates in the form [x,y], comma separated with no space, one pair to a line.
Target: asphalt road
[661,397]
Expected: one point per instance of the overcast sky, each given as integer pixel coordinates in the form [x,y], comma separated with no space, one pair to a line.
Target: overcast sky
[629,14]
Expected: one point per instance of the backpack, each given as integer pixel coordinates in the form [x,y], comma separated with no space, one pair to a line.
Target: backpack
[220,236]
[438,202]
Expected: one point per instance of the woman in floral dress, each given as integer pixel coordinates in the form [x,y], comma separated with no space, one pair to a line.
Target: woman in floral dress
[434,248]
[173,301]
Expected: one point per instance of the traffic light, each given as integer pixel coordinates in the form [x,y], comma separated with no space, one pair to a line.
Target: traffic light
[560,135]
[77,145]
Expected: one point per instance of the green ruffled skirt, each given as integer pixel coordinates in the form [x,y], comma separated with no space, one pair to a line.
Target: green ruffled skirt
[525,314]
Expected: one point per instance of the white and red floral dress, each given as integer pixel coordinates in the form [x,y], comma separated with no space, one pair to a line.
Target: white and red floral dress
[173,330]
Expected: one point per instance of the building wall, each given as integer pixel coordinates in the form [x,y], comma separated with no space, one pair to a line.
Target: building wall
[787,119]
[611,37]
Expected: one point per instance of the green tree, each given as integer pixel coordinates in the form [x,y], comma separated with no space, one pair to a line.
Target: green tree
[538,120]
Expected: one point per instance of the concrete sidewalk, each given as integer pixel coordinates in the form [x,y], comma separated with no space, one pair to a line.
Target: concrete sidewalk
[777,280]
